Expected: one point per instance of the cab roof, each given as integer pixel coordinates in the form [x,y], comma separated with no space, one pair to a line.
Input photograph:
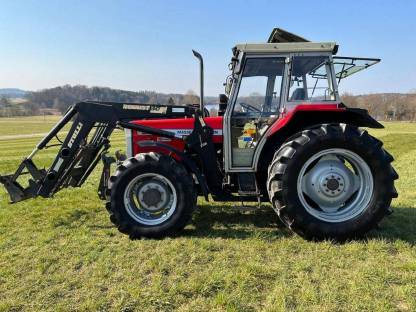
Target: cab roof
[281,40]
[287,47]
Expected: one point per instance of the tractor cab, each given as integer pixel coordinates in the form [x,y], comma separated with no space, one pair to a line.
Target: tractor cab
[270,80]
[267,80]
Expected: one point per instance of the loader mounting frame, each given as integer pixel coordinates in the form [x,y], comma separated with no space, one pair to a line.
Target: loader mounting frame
[86,143]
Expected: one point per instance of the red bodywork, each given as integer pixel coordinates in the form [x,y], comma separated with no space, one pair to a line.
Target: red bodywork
[284,119]
[183,126]
[180,126]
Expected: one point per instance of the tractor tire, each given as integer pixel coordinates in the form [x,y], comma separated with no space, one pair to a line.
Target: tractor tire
[151,195]
[332,182]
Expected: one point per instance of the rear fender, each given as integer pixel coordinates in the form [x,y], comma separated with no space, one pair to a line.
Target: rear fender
[307,116]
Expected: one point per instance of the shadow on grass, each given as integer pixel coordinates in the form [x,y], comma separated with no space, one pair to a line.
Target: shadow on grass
[229,222]
[401,225]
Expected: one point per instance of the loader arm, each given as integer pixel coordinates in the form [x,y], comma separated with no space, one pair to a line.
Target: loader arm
[86,143]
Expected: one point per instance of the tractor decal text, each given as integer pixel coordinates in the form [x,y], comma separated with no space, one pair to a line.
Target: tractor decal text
[74,136]
[158,109]
[136,107]
[178,109]
[182,132]
[58,164]
[155,109]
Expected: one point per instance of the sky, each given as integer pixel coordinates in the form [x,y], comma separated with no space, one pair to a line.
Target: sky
[146,45]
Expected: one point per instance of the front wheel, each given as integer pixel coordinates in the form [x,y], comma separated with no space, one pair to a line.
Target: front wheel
[151,195]
[333,181]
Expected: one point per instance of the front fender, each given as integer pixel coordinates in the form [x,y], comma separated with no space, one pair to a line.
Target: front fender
[189,164]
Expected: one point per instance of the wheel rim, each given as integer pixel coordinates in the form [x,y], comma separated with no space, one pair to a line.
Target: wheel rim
[335,185]
[150,199]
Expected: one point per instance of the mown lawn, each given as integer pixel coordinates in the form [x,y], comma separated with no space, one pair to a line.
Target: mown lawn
[27,125]
[64,254]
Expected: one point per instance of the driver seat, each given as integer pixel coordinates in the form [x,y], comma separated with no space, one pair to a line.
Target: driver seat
[298,95]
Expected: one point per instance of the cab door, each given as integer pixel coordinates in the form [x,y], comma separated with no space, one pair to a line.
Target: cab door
[255,106]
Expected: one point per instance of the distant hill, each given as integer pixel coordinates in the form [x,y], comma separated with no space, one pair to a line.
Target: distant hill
[58,99]
[61,98]
[382,106]
[13,93]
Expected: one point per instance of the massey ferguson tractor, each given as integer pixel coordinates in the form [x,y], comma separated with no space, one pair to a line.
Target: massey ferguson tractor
[282,135]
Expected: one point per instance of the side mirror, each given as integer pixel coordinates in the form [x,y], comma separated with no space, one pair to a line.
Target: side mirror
[223,99]
[228,84]
[223,104]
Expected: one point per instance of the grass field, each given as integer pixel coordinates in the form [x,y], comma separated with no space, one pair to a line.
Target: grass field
[64,254]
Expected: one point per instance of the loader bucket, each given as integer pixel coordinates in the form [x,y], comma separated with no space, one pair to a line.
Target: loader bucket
[16,191]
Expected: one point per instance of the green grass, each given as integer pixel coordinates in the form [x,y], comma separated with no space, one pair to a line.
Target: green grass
[64,254]
[26,125]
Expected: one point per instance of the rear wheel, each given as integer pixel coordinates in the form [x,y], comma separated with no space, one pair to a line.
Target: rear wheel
[151,195]
[333,181]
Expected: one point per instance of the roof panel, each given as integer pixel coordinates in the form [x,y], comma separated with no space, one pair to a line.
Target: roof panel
[287,47]
[280,35]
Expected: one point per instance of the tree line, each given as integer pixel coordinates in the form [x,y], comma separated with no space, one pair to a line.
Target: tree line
[60,98]
[382,106]
[385,106]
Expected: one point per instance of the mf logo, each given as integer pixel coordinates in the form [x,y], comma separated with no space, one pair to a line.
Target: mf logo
[74,136]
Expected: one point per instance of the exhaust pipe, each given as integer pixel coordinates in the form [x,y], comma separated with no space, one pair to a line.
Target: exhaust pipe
[201,82]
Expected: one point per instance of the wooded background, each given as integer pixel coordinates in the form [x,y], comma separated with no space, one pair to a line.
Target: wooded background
[382,106]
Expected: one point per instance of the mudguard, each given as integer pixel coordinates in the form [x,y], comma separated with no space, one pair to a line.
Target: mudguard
[305,116]
[308,115]
[189,164]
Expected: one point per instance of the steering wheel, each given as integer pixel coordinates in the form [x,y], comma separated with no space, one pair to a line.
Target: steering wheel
[249,108]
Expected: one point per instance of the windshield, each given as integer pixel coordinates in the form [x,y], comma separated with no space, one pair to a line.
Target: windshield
[256,106]
[261,82]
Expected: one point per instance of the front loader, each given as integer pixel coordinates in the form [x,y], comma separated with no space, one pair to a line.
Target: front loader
[282,135]
[86,143]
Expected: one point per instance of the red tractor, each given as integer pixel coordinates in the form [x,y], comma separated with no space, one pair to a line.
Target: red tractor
[282,135]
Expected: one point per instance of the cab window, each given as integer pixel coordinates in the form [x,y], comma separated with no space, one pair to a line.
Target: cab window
[260,87]
[256,106]
[310,79]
